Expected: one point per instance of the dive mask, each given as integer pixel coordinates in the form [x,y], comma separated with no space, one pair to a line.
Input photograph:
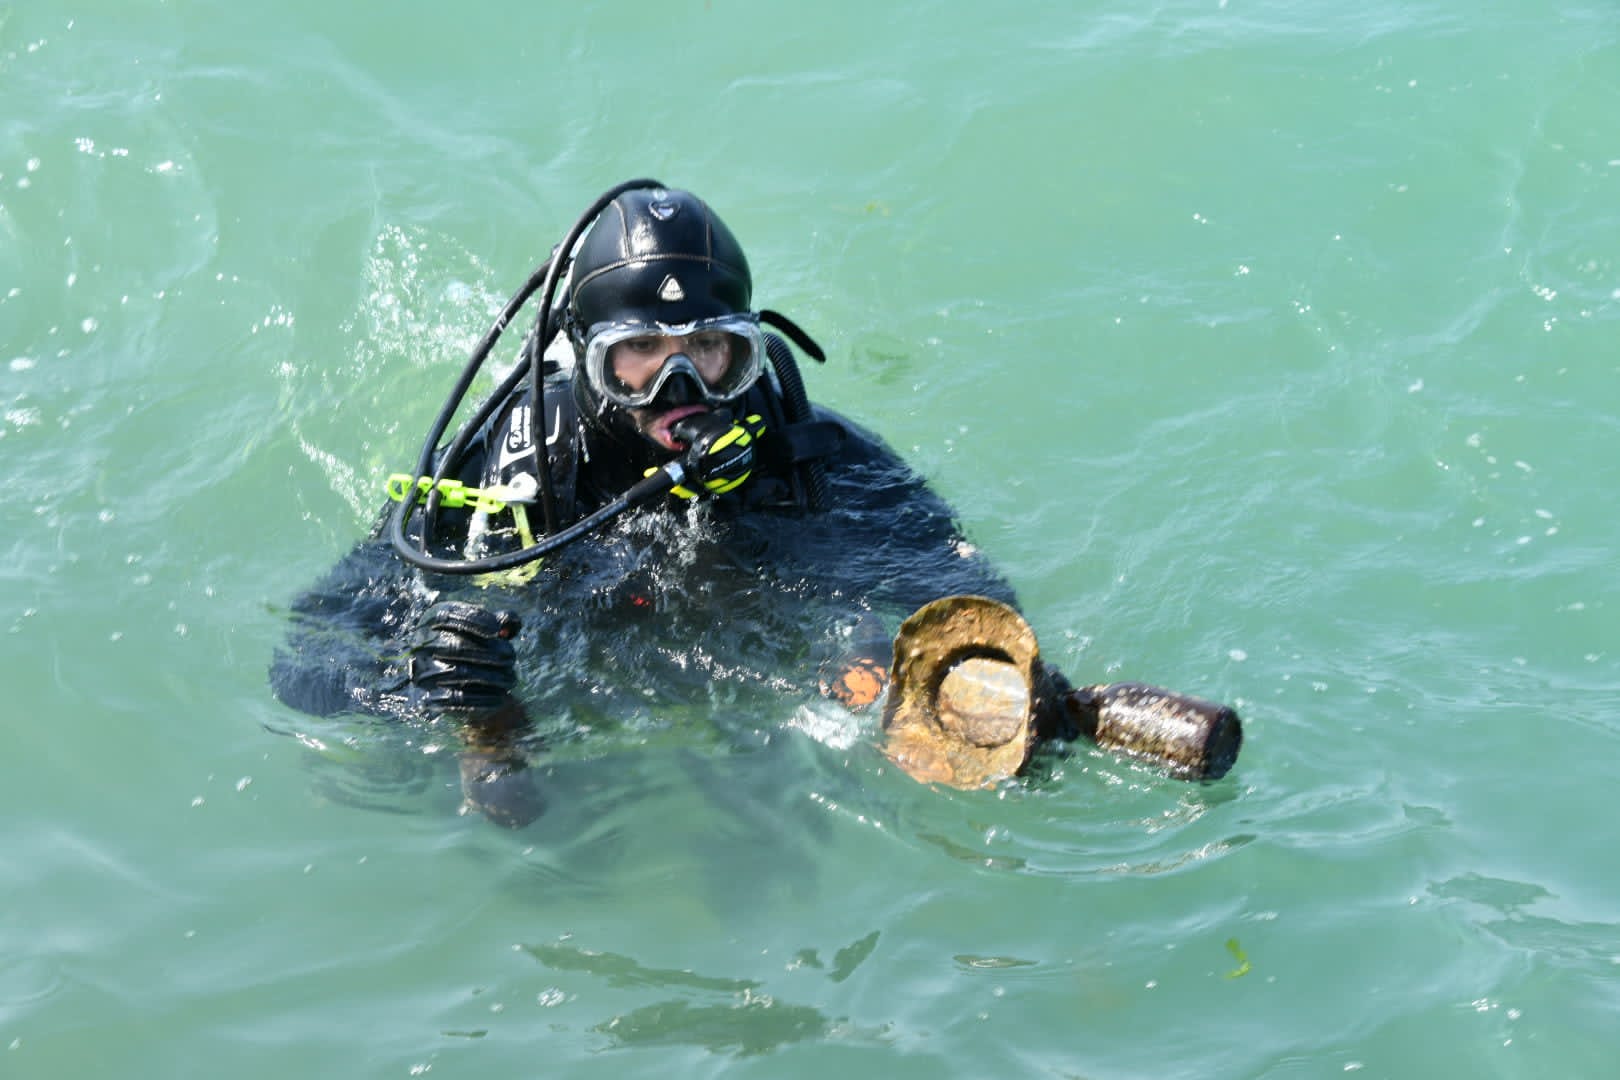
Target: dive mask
[630,363]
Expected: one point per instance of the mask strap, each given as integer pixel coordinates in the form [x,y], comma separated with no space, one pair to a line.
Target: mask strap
[804,341]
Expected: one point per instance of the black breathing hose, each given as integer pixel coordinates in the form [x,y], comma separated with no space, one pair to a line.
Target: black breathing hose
[646,490]
[544,280]
[813,472]
[717,456]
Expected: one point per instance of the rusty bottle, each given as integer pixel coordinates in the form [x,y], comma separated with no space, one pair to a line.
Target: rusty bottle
[1194,739]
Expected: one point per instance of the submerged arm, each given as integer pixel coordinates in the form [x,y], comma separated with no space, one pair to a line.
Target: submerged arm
[367,639]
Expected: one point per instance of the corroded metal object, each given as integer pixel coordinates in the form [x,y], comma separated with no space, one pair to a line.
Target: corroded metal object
[970,701]
[968,686]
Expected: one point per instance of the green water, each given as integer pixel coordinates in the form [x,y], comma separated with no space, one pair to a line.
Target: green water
[1266,347]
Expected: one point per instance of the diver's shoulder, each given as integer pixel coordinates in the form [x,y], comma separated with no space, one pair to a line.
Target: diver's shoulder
[858,443]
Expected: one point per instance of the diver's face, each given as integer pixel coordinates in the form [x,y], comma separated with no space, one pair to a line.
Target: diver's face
[637,361]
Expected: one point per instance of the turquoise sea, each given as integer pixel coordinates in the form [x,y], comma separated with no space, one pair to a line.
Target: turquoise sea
[1268,348]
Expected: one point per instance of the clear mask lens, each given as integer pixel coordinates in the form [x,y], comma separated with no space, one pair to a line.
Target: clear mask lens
[629,364]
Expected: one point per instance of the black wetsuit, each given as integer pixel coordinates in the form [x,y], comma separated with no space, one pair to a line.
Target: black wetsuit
[685,603]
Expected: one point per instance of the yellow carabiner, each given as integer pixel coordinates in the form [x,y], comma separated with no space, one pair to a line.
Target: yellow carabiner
[453,493]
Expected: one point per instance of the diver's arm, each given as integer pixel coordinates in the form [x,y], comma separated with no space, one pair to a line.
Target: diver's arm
[903,528]
[898,547]
[361,643]
[344,649]
[462,666]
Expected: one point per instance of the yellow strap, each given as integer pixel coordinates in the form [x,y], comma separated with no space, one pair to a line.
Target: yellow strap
[517,575]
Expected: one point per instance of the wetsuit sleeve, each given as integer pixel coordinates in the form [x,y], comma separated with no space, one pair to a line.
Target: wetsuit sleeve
[344,649]
[346,643]
[883,546]
[900,543]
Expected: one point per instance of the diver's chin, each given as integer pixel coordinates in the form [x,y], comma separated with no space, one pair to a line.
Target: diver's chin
[655,425]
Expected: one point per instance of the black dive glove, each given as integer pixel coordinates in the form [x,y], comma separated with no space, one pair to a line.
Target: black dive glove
[461,657]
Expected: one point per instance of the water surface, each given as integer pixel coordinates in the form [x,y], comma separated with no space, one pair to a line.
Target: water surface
[1267,348]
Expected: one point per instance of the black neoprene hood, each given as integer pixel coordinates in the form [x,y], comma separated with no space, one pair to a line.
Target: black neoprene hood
[657,256]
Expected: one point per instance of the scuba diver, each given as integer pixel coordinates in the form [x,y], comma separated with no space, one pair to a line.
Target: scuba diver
[692,505]
[647,514]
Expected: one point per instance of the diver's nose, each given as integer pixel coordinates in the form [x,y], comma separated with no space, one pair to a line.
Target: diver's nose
[681,388]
